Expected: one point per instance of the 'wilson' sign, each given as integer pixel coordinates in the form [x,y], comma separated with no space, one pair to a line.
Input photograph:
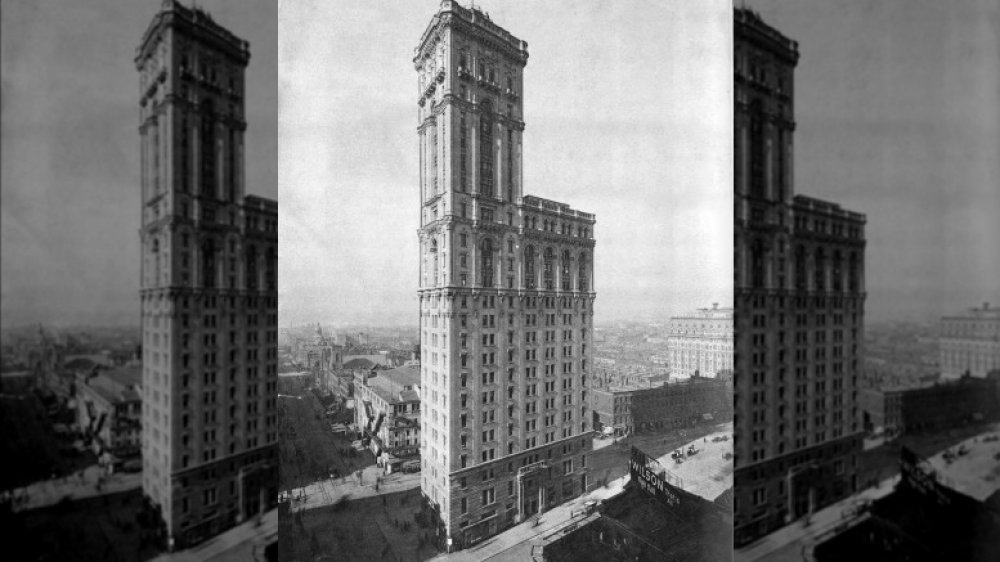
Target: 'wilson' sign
[649,480]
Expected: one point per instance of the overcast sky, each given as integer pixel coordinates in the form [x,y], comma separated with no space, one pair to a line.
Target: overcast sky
[898,110]
[70,195]
[628,111]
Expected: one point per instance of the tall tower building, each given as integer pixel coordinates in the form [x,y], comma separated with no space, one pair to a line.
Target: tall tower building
[799,307]
[209,293]
[506,294]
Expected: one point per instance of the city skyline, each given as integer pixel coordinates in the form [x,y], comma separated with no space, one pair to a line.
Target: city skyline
[896,105]
[622,146]
[71,159]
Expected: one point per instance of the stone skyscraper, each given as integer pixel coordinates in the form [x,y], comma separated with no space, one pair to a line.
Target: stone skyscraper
[506,294]
[799,307]
[209,285]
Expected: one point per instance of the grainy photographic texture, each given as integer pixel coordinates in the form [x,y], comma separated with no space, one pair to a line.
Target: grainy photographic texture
[867,376]
[139,281]
[506,277]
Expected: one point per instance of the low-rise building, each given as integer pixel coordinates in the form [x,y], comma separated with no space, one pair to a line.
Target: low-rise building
[970,342]
[387,410]
[109,410]
[701,343]
[320,354]
[612,410]
[340,382]
[918,409]
[16,382]
[684,403]
[925,518]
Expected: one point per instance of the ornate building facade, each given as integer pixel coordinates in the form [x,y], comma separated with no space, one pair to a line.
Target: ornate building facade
[799,307]
[506,294]
[701,344]
[970,343]
[209,285]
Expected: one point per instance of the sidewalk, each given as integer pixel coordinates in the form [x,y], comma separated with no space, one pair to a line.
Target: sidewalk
[515,543]
[244,542]
[82,484]
[328,492]
[824,520]
[523,534]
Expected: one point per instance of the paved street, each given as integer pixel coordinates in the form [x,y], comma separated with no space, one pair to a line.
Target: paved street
[328,492]
[82,484]
[516,543]
[243,543]
[787,543]
[609,460]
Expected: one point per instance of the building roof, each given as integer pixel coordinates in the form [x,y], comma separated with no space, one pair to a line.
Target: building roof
[130,375]
[117,385]
[397,385]
[359,363]
[408,375]
[694,530]
[975,472]
[86,362]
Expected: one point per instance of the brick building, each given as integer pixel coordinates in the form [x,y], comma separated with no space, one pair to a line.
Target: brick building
[387,410]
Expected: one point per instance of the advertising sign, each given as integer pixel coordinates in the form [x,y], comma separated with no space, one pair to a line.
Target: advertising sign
[642,471]
[919,479]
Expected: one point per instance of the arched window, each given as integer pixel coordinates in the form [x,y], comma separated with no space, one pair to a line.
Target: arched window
[838,268]
[757,266]
[548,273]
[155,250]
[434,259]
[252,267]
[853,278]
[486,149]
[781,173]
[529,267]
[487,262]
[434,159]
[208,259]
[564,273]
[463,149]
[510,165]
[819,274]
[800,268]
[270,268]
[582,274]
[207,155]
[757,149]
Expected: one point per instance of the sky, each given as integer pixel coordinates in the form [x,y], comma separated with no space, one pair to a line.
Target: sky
[898,113]
[628,111]
[69,190]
